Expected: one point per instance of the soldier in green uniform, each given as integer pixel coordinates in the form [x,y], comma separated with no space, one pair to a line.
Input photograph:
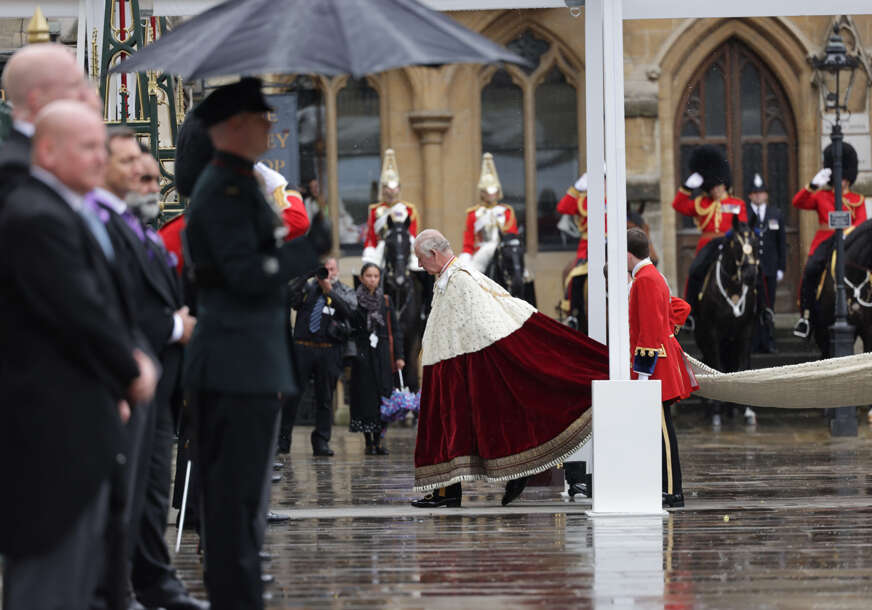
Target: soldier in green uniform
[238,364]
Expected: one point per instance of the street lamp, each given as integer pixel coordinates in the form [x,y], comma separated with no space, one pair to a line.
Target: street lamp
[834,61]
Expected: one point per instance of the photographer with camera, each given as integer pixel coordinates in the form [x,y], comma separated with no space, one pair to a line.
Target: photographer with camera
[324,307]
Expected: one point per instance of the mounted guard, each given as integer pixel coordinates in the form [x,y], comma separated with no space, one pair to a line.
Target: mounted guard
[391,207]
[819,196]
[713,211]
[487,221]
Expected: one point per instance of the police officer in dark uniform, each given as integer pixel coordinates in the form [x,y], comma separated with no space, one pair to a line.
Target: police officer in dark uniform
[237,365]
[768,221]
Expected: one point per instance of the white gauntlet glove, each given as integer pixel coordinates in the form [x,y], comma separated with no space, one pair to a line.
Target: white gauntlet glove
[694,181]
[821,178]
[581,183]
[779,275]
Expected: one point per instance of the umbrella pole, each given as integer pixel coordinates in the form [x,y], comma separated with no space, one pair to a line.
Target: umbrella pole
[184,506]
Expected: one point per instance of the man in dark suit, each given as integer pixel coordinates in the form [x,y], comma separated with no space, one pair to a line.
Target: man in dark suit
[71,369]
[322,304]
[167,326]
[34,76]
[237,365]
[769,223]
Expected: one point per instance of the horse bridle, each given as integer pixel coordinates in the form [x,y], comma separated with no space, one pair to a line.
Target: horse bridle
[738,305]
[389,263]
[515,244]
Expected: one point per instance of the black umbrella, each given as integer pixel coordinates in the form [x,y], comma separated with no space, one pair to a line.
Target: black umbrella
[247,37]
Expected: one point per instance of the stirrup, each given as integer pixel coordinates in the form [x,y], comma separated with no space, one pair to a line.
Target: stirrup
[690,323]
[802,329]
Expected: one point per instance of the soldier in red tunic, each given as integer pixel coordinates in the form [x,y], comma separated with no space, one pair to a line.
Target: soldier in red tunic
[487,220]
[654,314]
[819,196]
[390,206]
[712,211]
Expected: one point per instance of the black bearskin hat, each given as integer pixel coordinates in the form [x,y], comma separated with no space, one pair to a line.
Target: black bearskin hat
[757,184]
[849,161]
[710,163]
[193,152]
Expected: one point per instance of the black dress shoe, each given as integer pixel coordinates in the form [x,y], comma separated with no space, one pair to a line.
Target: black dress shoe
[272,517]
[267,578]
[278,465]
[579,489]
[447,496]
[673,500]
[276,478]
[514,489]
[322,451]
[379,450]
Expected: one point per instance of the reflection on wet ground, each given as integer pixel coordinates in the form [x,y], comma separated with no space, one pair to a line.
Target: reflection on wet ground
[778,516]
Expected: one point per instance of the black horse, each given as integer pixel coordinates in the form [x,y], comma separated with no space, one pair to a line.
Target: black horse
[858,286]
[507,269]
[407,291]
[726,311]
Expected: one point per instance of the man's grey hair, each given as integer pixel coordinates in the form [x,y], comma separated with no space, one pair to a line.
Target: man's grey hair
[430,241]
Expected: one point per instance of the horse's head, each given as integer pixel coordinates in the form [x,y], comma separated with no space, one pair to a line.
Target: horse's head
[741,253]
[398,250]
[510,255]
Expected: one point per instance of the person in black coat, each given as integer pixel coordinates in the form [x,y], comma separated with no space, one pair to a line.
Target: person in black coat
[378,341]
[324,307]
[768,221]
[71,367]
[238,365]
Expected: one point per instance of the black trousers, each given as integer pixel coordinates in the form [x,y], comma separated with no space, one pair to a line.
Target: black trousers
[698,269]
[764,328]
[811,275]
[233,454]
[324,364]
[671,464]
[153,576]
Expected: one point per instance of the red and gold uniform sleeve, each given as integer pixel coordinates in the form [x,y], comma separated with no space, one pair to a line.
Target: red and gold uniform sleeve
[294,216]
[856,203]
[171,234]
[683,204]
[679,310]
[469,232]
[805,200]
[569,203]
[371,238]
[511,225]
[413,222]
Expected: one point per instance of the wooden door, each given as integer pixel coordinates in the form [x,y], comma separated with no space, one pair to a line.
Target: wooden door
[735,103]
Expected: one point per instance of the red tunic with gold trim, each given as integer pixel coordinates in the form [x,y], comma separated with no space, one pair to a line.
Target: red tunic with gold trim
[372,238]
[574,203]
[824,201]
[508,224]
[713,218]
[654,348]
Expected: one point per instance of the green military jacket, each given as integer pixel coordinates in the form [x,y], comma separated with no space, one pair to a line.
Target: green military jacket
[242,266]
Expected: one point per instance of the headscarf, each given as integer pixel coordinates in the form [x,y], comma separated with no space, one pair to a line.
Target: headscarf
[371,302]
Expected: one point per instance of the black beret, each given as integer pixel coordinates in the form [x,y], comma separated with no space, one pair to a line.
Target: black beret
[230,100]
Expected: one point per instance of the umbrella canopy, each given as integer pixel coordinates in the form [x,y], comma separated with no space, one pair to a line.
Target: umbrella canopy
[248,37]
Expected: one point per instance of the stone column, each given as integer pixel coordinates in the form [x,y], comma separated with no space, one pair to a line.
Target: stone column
[431,127]
[331,87]
[430,120]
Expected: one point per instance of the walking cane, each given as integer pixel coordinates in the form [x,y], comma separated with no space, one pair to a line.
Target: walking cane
[184,505]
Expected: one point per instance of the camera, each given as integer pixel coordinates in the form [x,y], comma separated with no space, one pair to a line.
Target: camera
[321,273]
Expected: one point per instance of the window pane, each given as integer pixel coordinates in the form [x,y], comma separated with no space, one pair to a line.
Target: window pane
[715,102]
[556,154]
[359,156]
[752,163]
[778,176]
[776,128]
[310,127]
[530,48]
[749,92]
[684,163]
[690,130]
[502,134]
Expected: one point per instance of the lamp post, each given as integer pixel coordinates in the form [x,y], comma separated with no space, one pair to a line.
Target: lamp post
[834,61]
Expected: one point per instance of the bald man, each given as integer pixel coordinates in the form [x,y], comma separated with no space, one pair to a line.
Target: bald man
[33,77]
[71,369]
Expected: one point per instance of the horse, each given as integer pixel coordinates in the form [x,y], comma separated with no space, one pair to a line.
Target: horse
[507,269]
[407,291]
[858,286]
[726,311]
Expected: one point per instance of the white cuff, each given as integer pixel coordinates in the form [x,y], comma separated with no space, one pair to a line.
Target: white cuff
[178,329]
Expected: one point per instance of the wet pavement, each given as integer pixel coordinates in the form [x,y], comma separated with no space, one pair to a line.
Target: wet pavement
[777,516]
